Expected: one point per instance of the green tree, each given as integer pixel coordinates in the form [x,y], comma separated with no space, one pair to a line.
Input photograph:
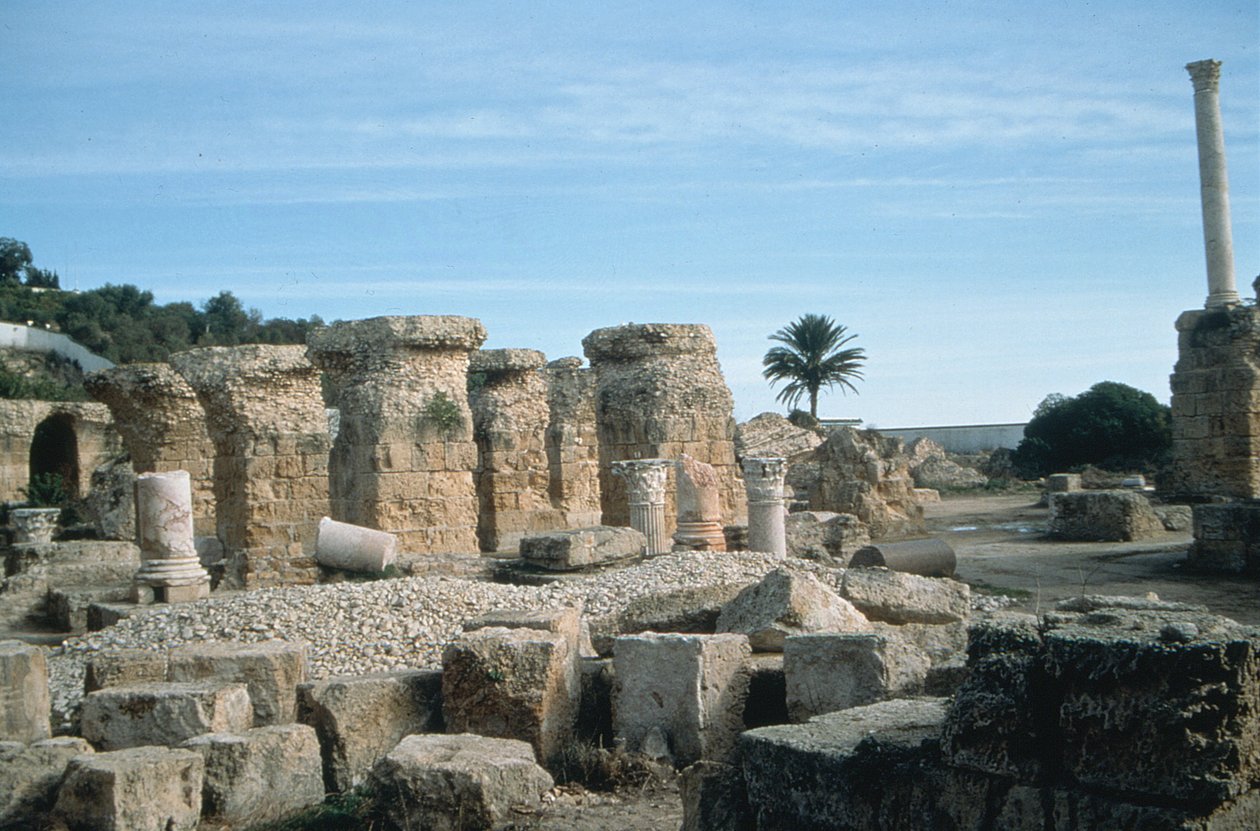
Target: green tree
[1110,425]
[15,256]
[814,355]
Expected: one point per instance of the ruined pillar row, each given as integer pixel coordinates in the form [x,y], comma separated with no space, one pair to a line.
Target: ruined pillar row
[1218,239]
[404,455]
[763,478]
[509,405]
[572,442]
[266,418]
[163,427]
[660,393]
[645,497]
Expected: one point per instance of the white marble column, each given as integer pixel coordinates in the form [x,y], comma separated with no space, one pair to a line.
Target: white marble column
[1218,239]
[645,485]
[763,481]
[169,568]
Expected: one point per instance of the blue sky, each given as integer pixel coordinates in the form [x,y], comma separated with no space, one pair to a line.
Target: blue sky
[1000,199]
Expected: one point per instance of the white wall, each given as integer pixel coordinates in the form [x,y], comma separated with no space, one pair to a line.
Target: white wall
[963,438]
[16,336]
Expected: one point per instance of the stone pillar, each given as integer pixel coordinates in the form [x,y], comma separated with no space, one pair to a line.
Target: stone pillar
[763,478]
[169,568]
[572,442]
[645,487]
[509,407]
[699,528]
[404,456]
[660,394]
[162,426]
[266,418]
[1213,184]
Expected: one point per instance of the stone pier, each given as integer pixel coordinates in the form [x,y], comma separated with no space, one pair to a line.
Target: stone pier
[645,490]
[266,418]
[763,477]
[660,393]
[404,456]
[1213,184]
[169,570]
[510,414]
[572,442]
[162,426]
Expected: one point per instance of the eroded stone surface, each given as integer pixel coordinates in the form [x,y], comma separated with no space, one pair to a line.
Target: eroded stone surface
[271,670]
[259,775]
[894,597]
[25,705]
[582,547]
[786,604]
[865,474]
[826,672]
[136,788]
[165,714]
[572,442]
[1103,515]
[30,775]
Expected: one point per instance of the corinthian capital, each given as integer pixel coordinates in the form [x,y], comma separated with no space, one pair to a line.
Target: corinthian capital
[645,478]
[763,478]
[1205,75]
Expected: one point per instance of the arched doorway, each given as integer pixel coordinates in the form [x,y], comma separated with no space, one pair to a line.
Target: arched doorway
[55,450]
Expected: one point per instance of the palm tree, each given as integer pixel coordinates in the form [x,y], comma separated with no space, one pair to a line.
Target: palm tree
[813,357]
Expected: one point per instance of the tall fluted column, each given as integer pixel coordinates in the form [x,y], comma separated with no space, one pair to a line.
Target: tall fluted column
[645,484]
[169,567]
[1213,184]
[763,481]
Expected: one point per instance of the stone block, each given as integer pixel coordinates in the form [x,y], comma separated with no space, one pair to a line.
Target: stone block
[564,621]
[453,783]
[1103,515]
[163,714]
[861,768]
[123,668]
[688,690]
[582,547]
[786,604]
[513,684]
[895,597]
[361,718]
[714,798]
[260,775]
[272,670]
[138,788]
[824,673]
[824,535]
[25,705]
[1024,808]
[30,775]
[68,608]
[1063,482]
[687,610]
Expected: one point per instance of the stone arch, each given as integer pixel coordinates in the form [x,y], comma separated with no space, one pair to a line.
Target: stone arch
[55,450]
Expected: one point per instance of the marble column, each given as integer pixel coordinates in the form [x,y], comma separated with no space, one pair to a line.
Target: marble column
[645,484]
[1213,184]
[763,481]
[169,568]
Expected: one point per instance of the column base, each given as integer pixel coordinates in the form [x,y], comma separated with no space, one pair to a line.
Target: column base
[699,536]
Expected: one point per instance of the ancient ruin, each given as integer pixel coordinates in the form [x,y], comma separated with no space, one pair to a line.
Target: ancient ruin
[62,438]
[572,442]
[266,419]
[404,456]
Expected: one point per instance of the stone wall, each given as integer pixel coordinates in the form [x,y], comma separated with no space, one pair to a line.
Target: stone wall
[266,419]
[85,426]
[660,393]
[404,455]
[572,442]
[1216,403]
[862,473]
[510,415]
[162,426]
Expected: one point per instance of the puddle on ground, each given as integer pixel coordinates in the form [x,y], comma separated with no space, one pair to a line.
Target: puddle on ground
[964,528]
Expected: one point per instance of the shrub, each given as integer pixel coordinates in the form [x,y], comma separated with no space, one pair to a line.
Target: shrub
[442,411]
[46,490]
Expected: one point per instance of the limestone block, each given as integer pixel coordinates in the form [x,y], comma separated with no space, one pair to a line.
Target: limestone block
[565,621]
[361,718]
[25,705]
[137,788]
[1063,482]
[1025,808]
[693,609]
[452,783]
[714,798]
[261,774]
[824,673]
[1103,515]
[513,684]
[825,535]
[861,768]
[272,670]
[30,775]
[163,714]
[770,434]
[354,548]
[786,604]
[123,667]
[1157,705]
[894,597]
[1175,517]
[582,547]
[687,689]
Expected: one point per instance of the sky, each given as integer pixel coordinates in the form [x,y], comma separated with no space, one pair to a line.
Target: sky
[1001,200]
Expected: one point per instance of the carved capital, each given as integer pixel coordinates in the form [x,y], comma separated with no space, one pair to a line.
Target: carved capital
[1205,75]
[645,478]
[763,478]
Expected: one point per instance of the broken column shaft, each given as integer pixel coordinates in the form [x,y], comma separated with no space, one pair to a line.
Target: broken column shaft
[1213,184]
[169,569]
